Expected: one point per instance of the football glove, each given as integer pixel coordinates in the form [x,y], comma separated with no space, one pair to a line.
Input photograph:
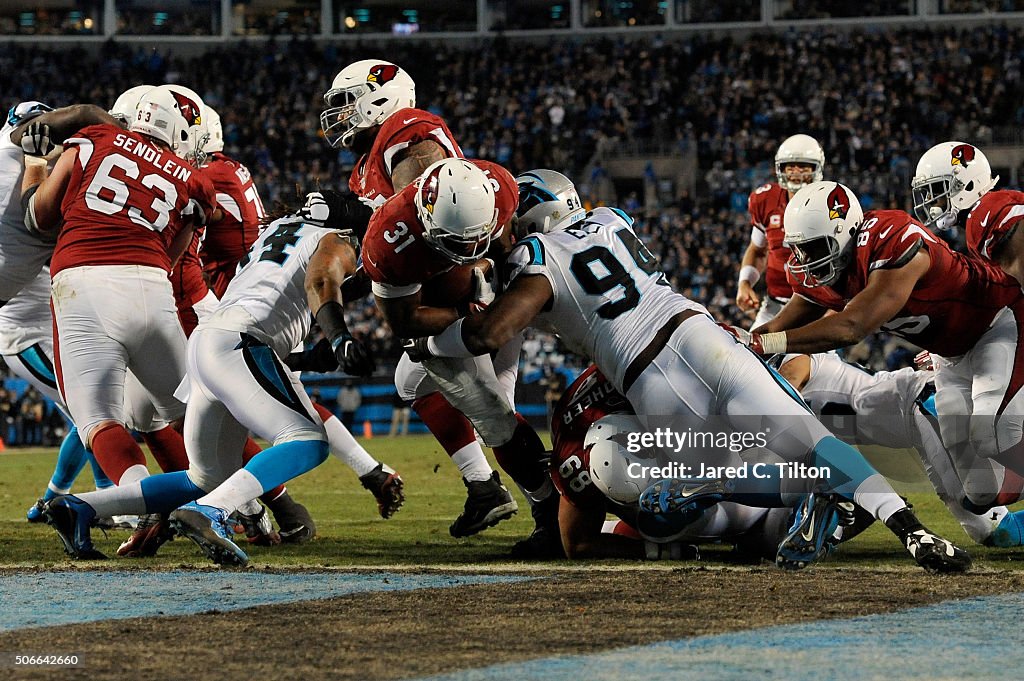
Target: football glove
[352,356]
[36,144]
[336,210]
[763,344]
[417,349]
[319,358]
[483,289]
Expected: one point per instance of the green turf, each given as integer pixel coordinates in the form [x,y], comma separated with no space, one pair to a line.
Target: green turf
[351,533]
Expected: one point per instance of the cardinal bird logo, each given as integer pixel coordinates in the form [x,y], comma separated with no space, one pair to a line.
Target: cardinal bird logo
[838,203]
[428,191]
[382,73]
[962,155]
[189,109]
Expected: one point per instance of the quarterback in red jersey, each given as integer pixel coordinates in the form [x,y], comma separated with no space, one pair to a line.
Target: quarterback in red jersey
[129,201]
[798,162]
[228,240]
[884,270]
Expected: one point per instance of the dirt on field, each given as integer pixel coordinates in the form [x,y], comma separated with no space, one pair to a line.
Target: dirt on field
[397,635]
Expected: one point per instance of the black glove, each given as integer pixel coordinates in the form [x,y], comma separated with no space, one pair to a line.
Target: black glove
[319,358]
[417,349]
[352,356]
[337,211]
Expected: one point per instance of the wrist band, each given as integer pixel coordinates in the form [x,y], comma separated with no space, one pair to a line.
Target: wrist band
[774,343]
[749,274]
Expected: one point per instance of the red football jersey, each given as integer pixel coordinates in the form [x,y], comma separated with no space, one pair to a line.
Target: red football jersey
[371,178]
[125,200]
[991,219]
[590,397]
[188,283]
[394,250]
[229,240]
[767,206]
[951,306]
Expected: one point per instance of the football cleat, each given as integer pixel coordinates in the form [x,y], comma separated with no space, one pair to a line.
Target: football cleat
[72,517]
[294,522]
[1008,533]
[257,527]
[934,553]
[488,502]
[812,534]
[387,488]
[151,532]
[545,542]
[210,529]
[35,512]
[683,494]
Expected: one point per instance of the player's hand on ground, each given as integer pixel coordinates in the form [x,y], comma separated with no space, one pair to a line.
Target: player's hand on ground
[352,356]
[746,299]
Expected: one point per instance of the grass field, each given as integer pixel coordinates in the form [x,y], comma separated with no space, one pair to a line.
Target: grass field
[350,533]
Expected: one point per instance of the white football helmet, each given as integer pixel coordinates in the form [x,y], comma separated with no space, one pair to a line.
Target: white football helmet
[547,200]
[799,149]
[950,177]
[364,94]
[173,114]
[455,202]
[611,462]
[820,221]
[212,120]
[127,102]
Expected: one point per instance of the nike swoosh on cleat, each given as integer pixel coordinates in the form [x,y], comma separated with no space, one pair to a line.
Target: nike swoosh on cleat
[808,534]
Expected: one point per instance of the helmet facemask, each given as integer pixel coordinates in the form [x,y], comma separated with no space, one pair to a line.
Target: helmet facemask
[932,204]
[463,248]
[814,174]
[818,261]
[342,119]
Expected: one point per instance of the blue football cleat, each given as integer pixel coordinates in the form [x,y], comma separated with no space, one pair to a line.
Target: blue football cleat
[809,539]
[683,494]
[72,518]
[1009,532]
[35,512]
[211,529]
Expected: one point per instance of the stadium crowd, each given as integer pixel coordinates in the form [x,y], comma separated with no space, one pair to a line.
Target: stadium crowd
[876,101]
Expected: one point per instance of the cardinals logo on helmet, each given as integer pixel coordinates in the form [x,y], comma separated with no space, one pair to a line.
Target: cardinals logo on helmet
[382,73]
[838,203]
[962,155]
[428,191]
[189,109]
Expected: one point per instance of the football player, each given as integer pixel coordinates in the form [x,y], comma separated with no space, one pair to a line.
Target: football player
[126,202]
[238,383]
[449,217]
[371,110]
[799,161]
[884,270]
[590,467]
[597,286]
[228,240]
[23,254]
[894,409]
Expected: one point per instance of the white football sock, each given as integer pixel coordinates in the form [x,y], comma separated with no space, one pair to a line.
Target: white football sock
[119,500]
[472,463]
[345,448]
[241,487]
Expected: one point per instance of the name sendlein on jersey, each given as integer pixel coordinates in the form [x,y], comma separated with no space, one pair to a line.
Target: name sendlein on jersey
[670,440]
[758,471]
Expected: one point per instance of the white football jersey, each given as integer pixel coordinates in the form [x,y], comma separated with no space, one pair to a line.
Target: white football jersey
[267,298]
[26,319]
[610,296]
[11,169]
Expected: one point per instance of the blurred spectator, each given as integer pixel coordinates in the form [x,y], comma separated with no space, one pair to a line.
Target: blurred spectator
[349,401]
[400,413]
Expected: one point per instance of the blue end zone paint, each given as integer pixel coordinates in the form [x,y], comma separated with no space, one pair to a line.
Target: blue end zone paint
[973,638]
[47,599]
